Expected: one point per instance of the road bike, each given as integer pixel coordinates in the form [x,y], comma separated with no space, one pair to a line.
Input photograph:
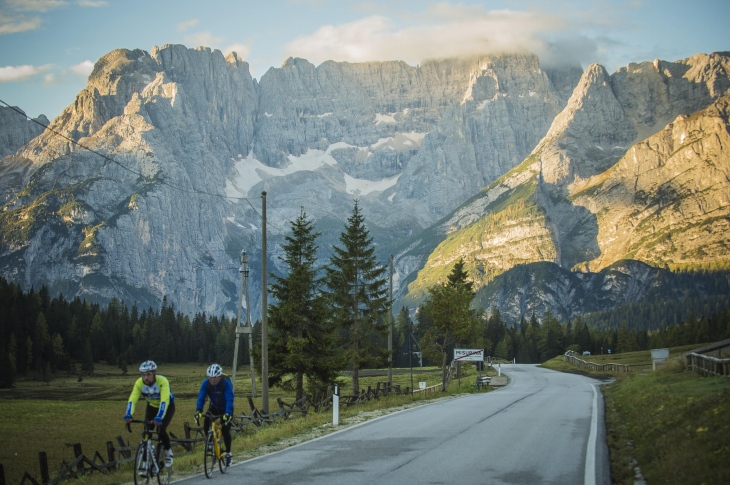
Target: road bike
[149,461]
[213,451]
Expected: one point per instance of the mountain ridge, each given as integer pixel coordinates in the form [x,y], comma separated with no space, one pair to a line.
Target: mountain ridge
[190,140]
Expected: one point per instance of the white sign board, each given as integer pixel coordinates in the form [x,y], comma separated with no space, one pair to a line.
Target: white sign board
[472,355]
[422,385]
[659,354]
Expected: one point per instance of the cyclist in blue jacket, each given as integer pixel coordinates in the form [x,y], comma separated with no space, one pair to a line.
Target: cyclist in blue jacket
[219,390]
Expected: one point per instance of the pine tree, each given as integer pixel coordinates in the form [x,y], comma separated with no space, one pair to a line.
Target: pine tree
[358,292]
[453,320]
[302,336]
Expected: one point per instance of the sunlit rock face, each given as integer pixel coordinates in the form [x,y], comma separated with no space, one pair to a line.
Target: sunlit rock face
[636,167]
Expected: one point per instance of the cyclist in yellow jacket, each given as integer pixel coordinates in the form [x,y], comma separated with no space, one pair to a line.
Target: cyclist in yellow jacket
[160,403]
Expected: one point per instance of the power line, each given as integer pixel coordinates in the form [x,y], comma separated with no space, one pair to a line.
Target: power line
[121,165]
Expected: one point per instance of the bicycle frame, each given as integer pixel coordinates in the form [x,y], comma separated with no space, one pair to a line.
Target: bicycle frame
[217,429]
[149,455]
[213,454]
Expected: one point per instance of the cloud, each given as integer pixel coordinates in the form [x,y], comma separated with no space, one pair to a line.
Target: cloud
[188,24]
[13,19]
[443,30]
[203,39]
[243,50]
[92,3]
[20,73]
[35,5]
[83,68]
[16,24]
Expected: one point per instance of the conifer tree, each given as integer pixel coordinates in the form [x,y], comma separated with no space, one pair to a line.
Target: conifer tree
[452,319]
[302,336]
[358,292]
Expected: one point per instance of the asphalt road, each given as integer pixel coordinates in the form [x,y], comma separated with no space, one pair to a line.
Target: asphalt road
[544,427]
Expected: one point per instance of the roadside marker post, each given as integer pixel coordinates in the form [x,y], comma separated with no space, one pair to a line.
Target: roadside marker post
[336,406]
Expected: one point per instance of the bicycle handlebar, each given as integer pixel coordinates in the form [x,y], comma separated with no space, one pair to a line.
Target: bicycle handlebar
[149,425]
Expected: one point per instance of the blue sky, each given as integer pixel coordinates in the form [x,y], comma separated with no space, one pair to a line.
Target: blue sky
[48,47]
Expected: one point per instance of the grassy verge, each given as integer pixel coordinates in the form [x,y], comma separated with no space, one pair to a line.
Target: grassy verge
[51,417]
[670,425]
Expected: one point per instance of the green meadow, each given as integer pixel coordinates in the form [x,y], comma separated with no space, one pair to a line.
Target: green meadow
[52,416]
[669,425]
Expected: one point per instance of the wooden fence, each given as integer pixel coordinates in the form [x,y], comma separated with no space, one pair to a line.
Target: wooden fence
[123,452]
[574,358]
[708,365]
[438,387]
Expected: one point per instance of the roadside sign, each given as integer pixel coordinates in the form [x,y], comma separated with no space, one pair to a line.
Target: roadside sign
[472,355]
[658,356]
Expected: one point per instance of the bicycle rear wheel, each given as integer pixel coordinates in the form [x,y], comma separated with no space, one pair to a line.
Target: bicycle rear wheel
[163,478]
[139,461]
[209,458]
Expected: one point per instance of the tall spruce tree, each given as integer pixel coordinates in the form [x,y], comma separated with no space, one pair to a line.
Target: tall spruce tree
[452,319]
[302,336]
[358,291]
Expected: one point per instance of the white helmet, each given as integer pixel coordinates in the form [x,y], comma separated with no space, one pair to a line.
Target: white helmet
[148,366]
[214,371]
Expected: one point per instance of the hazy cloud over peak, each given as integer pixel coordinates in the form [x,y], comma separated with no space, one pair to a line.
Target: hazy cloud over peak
[83,68]
[444,30]
[188,24]
[205,39]
[243,50]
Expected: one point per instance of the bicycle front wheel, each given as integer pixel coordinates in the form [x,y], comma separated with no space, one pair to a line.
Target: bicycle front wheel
[165,474]
[209,457]
[141,472]
[222,460]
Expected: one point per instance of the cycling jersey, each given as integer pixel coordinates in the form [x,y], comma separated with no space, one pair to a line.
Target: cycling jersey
[158,395]
[221,396]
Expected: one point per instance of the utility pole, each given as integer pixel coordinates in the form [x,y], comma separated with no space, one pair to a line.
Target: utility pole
[248,328]
[390,326]
[264,315]
[239,329]
[410,351]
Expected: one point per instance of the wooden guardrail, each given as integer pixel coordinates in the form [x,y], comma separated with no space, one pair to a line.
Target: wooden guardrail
[708,365]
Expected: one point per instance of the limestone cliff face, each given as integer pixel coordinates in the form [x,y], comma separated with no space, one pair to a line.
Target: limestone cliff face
[546,287]
[667,201]
[491,159]
[635,167]
[175,146]
[137,213]
[16,130]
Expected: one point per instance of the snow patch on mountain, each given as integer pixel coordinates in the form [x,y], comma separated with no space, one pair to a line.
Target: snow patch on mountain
[364,187]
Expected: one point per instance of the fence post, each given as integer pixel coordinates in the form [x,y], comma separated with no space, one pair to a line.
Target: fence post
[110,453]
[78,454]
[43,462]
[186,428]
